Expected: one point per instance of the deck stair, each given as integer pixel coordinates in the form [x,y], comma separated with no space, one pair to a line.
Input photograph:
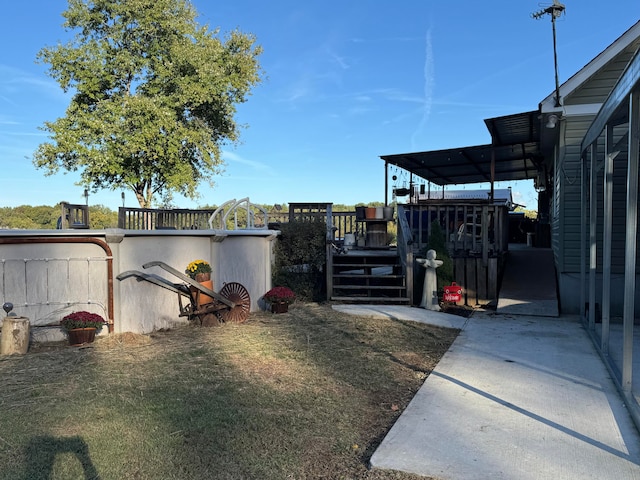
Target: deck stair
[369,275]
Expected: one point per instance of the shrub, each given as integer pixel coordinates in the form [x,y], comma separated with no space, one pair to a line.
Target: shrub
[300,257]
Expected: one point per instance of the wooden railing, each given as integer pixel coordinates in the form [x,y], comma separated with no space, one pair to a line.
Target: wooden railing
[159,219]
[185,219]
[470,229]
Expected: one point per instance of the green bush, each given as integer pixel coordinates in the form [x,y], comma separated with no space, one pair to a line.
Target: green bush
[300,258]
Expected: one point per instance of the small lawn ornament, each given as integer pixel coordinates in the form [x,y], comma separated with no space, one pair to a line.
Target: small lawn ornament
[430,290]
[452,293]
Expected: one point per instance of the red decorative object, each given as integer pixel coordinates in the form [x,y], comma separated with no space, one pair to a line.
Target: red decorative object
[452,293]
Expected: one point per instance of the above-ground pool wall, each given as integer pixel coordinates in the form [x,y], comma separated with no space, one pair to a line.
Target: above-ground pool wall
[244,259]
[141,306]
[67,270]
[242,256]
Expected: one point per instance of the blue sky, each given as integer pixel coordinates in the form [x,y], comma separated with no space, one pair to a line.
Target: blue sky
[345,82]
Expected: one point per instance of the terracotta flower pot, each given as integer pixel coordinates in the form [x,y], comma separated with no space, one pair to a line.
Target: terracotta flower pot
[206,282]
[202,277]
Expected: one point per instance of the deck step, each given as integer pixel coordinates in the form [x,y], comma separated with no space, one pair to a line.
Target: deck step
[369,287]
[369,277]
[370,299]
[364,276]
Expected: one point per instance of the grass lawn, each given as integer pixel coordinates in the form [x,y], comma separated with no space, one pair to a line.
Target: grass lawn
[305,395]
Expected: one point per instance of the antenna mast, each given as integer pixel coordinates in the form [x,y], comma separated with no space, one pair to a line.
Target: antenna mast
[555,11]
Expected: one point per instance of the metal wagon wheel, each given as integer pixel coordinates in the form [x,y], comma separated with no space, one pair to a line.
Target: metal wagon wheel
[239,295]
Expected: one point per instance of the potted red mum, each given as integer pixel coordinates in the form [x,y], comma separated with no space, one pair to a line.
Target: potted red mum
[82,326]
[279,298]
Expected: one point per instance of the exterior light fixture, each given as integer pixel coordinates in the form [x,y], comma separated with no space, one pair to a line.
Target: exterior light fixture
[552,121]
[540,182]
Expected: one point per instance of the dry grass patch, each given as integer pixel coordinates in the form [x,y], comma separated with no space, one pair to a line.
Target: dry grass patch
[305,395]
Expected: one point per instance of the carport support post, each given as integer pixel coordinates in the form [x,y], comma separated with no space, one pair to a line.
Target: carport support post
[633,158]
[386,183]
[583,235]
[606,240]
[593,214]
[493,168]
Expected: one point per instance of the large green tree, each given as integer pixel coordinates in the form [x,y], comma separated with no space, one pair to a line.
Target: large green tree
[155,96]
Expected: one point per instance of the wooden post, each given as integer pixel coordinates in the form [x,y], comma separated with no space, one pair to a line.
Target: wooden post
[459,275]
[471,286]
[481,282]
[492,290]
[15,336]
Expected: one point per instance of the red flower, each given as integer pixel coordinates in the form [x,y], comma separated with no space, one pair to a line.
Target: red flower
[280,295]
[82,319]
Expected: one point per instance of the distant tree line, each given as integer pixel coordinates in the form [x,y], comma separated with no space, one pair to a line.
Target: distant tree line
[532,214]
[26,217]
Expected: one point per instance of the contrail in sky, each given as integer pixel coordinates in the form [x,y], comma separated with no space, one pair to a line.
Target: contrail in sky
[429,80]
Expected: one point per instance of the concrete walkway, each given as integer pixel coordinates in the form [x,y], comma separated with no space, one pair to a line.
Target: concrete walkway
[515,397]
[529,283]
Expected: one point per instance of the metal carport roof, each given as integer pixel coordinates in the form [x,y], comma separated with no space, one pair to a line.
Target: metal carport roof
[516,151]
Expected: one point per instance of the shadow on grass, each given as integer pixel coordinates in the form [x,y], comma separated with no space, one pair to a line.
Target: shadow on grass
[41,453]
[308,394]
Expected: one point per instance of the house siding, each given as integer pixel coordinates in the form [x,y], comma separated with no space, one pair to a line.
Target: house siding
[566,226]
[567,208]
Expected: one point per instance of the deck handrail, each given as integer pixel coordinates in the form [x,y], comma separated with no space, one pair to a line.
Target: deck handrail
[405,249]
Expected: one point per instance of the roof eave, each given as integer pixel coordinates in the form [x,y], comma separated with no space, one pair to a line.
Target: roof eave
[548,105]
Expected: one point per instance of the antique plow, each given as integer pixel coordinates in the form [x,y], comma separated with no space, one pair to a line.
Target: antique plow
[231,304]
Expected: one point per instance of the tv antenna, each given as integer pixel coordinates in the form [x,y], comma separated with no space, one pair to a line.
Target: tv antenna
[555,11]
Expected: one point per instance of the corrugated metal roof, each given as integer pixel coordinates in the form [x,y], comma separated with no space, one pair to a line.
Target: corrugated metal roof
[502,195]
[516,151]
